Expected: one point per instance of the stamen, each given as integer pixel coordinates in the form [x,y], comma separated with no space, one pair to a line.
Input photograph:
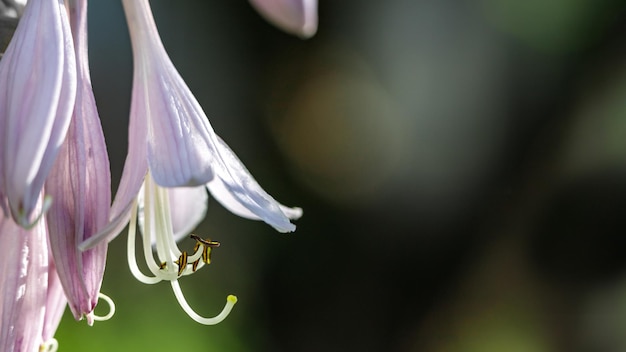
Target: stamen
[230,302]
[182,263]
[206,255]
[132,259]
[111,308]
[207,242]
[206,248]
[51,345]
[194,265]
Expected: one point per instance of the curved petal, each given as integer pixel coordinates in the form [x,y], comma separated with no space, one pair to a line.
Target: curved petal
[238,191]
[37,90]
[297,17]
[178,149]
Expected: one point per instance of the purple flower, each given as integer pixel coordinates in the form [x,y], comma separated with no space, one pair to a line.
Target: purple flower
[297,17]
[32,301]
[80,187]
[173,150]
[37,92]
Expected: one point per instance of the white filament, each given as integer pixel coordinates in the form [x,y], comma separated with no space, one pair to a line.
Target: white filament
[111,312]
[230,302]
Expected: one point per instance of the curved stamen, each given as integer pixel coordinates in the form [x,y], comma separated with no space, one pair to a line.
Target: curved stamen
[111,312]
[153,225]
[132,259]
[230,302]
[91,317]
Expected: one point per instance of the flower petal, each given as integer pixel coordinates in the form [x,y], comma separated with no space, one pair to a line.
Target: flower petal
[297,17]
[188,207]
[37,90]
[179,148]
[80,184]
[236,190]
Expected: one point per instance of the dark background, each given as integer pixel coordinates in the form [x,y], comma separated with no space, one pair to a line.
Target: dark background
[461,166]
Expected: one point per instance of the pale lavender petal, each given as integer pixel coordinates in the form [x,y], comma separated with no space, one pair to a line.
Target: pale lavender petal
[37,90]
[80,184]
[236,189]
[179,147]
[135,169]
[24,277]
[297,17]
[188,206]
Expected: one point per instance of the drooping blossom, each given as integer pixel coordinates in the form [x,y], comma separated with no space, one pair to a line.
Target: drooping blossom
[80,187]
[172,150]
[37,93]
[31,298]
[297,17]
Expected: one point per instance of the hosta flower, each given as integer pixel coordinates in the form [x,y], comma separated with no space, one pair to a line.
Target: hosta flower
[298,17]
[37,92]
[80,187]
[172,145]
[32,301]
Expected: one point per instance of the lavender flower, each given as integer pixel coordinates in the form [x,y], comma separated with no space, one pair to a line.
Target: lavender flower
[298,17]
[80,186]
[172,145]
[37,93]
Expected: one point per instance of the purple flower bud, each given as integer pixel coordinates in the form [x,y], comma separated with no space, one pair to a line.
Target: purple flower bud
[80,186]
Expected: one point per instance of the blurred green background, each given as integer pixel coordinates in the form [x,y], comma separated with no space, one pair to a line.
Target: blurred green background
[461,165]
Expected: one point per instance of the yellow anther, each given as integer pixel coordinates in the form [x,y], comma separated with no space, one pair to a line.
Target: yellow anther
[182,263]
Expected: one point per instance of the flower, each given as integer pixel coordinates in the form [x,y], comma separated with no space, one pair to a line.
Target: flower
[80,186]
[172,149]
[297,17]
[37,92]
[32,301]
